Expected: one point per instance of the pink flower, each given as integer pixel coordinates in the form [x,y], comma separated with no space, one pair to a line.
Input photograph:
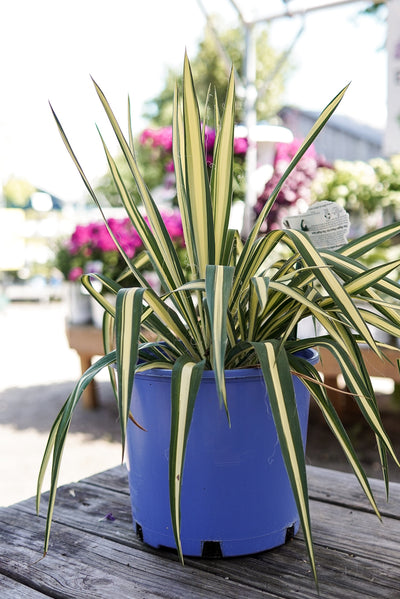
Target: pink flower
[75,273]
[240,145]
[79,237]
[158,138]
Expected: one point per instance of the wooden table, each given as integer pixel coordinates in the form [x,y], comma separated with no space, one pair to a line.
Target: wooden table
[91,557]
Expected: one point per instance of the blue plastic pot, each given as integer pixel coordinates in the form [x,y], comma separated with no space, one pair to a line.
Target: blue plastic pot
[236,497]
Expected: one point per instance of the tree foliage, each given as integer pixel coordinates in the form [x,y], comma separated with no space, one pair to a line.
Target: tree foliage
[210,72]
[210,75]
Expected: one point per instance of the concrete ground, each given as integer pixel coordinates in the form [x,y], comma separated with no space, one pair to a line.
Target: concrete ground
[37,372]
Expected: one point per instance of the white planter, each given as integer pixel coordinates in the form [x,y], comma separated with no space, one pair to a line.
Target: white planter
[77,304]
[97,311]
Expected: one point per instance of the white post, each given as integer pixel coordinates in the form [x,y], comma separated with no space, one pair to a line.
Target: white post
[250,120]
[392,133]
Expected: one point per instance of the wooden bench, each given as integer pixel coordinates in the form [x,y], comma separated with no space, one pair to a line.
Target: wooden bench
[87,341]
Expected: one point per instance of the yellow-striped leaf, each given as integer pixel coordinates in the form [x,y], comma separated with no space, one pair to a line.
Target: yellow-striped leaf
[186,378]
[197,184]
[222,173]
[278,379]
[313,382]
[127,319]
[57,438]
[218,288]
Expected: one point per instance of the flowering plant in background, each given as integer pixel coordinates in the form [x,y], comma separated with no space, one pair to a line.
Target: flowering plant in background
[161,139]
[92,243]
[370,192]
[158,143]
[295,194]
[359,186]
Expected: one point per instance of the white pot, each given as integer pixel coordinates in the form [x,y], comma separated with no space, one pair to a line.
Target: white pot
[97,311]
[77,304]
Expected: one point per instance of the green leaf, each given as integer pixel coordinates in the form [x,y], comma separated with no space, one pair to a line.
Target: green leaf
[155,238]
[356,377]
[221,176]
[186,378]
[315,130]
[196,177]
[178,152]
[109,287]
[331,285]
[313,382]
[278,379]
[360,246]
[90,189]
[57,437]
[127,319]
[218,288]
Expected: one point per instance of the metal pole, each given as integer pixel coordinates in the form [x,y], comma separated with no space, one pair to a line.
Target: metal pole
[250,123]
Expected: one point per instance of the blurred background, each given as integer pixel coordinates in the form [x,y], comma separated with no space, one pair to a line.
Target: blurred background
[291,57]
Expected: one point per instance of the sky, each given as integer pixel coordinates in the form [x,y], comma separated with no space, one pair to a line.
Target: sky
[49,50]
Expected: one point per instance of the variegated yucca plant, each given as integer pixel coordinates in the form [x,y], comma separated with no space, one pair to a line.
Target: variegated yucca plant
[232,306]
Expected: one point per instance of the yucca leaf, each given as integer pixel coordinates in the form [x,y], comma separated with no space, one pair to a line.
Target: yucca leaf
[186,378]
[130,132]
[369,277]
[109,285]
[361,245]
[127,319]
[178,152]
[221,176]
[251,260]
[261,286]
[57,437]
[347,268]
[218,288]
[258,295]
[171,320]
[233,247]
[197,184]
[381,323]
[161,251]
[314,384]
[331,285]
[90,189]
[315,130]
[278,379]
[188,224]
[357,380]
[156,239]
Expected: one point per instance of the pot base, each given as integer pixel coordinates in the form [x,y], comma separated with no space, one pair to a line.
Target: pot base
[208,549]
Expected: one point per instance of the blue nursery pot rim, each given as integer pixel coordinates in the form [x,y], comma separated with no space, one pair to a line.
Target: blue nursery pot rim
[310,354]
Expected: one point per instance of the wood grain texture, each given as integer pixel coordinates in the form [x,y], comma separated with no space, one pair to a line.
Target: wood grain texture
[93,557]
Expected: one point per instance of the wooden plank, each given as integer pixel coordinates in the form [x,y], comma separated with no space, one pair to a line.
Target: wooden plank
[330,486]
[11,589]
[357,550]
[343,488]
[114,479]
[78,561]
[81,565]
